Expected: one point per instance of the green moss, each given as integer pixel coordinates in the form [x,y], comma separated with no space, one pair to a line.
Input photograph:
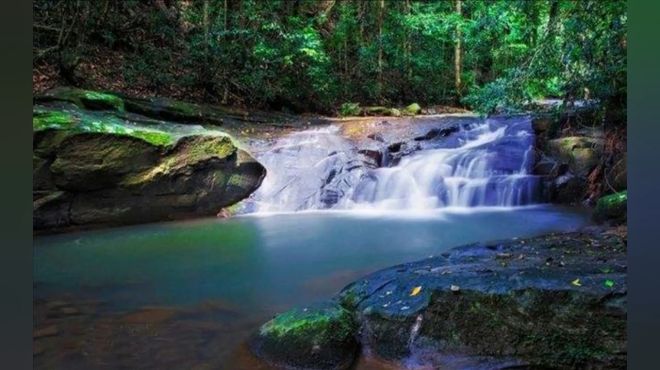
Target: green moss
[153,137]
[95,99]
[612,207]
[184,108]
[42,120]
[221,147]
[189,150]
[412,109]
[85,98]
[75,121]
[318,323]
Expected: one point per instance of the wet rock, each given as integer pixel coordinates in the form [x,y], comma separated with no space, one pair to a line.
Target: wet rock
[581,153]
[532,307]
[438,132]
[375,156]
[567,189]
[92,169]
[612,208]
[320,336]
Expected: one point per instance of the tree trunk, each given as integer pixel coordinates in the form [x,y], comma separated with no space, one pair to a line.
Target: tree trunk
[225,92]
[205,26]
[381,9]
[457,54]
[407,46]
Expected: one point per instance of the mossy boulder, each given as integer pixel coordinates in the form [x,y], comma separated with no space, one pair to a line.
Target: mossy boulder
[412,109]
[94,100]
[581,153]
[612,208]
[91,169]
[555,300]
[321,336]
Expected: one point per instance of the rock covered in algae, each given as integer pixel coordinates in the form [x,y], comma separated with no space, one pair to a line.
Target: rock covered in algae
[320,336]
[95,168]
[612,208]
[555,300]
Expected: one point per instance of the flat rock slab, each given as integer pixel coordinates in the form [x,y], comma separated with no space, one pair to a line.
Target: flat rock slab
[555,300]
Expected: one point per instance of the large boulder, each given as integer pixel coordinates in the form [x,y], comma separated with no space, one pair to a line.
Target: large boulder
[557,300]
[581,153]
[93,170]
[321,336]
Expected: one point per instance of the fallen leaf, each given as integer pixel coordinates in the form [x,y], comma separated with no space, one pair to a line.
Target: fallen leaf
[415,291]
[576,282]
[609,283]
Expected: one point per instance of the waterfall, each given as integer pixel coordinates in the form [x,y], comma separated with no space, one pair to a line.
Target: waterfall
[485,163]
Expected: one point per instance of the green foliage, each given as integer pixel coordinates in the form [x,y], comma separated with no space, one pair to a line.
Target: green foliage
[350,109]
[314,55]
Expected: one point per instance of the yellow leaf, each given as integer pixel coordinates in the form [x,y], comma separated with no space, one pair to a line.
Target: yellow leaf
[576,282]
[416,291]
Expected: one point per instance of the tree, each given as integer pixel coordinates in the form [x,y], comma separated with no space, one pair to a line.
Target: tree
[457,52]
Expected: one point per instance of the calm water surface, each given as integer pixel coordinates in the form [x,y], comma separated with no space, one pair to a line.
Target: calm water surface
[248,268]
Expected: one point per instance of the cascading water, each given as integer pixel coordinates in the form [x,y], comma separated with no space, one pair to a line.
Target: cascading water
[482,163]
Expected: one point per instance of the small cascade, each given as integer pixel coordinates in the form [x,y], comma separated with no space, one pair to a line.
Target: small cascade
[414,331]
[486,163]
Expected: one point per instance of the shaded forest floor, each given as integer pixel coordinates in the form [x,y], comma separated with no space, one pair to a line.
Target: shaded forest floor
[103,70]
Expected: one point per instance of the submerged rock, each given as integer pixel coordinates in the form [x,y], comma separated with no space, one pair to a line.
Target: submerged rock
[321,336]
[96,169]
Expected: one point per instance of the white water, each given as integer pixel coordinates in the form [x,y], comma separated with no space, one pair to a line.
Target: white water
[484,164]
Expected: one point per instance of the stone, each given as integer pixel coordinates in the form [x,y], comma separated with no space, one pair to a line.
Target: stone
[567,189]
[320,336]
[581,153]
[94,169]
[612,208]
[531,306]
[412,109]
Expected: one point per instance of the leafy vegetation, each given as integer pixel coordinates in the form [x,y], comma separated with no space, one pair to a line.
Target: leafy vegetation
[315,55]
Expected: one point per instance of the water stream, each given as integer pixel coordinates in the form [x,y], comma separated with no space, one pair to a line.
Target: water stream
[486,163]
[224,277]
